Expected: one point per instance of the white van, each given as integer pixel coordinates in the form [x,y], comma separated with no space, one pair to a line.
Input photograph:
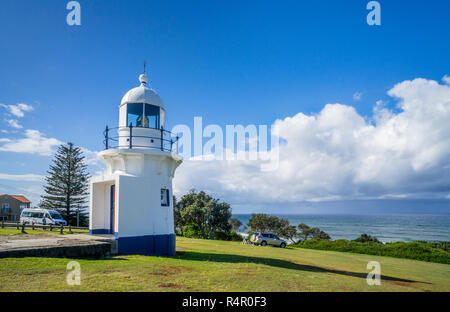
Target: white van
[41,216]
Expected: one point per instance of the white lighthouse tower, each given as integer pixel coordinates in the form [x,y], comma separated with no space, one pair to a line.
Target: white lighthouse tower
[132,199]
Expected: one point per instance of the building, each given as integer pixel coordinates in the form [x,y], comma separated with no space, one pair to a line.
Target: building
[132,199]
[11,207]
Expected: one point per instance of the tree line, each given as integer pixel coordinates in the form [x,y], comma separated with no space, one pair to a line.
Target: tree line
[261,222]
[199,215]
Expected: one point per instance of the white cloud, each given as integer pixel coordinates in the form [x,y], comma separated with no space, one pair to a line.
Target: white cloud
[91,157]
[14,123]
[34,143]
[25,107]
[18,110]
[338,154]
[22,177]
[446,79]
[357,96]
[32,192]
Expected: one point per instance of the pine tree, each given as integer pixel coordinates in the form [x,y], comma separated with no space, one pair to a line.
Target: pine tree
[68,185]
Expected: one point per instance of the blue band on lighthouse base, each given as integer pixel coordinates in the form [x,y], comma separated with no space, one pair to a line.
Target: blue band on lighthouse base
[99,231]
[149,245]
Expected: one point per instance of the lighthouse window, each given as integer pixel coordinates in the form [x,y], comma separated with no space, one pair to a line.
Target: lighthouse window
[152,116]
[165,197]
[143,115]
[135,112]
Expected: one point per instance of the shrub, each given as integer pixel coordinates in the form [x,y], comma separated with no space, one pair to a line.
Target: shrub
[441,245]
[192,231]
[410,250]
[220,235]
[235,236]
[366,238]
[231,236]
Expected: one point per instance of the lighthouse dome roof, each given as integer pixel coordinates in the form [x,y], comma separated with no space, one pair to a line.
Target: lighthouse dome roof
[142,94]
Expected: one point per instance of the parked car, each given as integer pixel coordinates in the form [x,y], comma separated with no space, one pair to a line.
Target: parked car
[41,216]
[264,239]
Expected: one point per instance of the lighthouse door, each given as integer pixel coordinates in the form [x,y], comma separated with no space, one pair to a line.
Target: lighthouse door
[112,210]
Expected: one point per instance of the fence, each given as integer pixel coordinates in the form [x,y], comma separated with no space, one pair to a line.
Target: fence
[44,227]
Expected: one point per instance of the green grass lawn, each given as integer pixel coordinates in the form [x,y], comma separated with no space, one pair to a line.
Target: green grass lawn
[202,265]
[12,231]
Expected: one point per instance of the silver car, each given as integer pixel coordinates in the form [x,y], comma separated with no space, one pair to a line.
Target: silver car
[264,239]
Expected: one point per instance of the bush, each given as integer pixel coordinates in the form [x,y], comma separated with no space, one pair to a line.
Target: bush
[235,237]
[410,250]
[192,231]
[220,235]
[364,238]
[232,236]
[441,245]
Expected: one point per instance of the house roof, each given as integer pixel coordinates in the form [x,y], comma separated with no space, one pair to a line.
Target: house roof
[20,198]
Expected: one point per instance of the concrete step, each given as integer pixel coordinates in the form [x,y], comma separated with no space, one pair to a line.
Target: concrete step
[51,245]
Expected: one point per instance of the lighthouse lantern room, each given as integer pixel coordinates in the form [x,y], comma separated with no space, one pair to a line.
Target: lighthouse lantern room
[132,199]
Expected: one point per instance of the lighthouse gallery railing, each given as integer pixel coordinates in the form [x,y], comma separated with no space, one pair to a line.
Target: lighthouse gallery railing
[165,139]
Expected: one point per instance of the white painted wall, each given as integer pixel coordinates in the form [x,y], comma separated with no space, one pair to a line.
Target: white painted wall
[140,210]
[142,138]
[123,116]
[139,176]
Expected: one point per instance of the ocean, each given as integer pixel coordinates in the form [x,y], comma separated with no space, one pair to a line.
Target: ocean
[387,228]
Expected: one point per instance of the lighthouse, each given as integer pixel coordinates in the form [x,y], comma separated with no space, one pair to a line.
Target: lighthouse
[132,198]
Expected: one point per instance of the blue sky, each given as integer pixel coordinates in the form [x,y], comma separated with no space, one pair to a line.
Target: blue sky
[233,62]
